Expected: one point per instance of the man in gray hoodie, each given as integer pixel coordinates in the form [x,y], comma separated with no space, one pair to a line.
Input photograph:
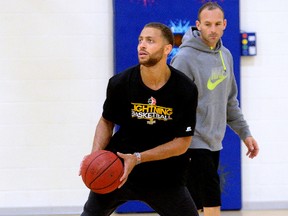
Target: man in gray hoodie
[204,59]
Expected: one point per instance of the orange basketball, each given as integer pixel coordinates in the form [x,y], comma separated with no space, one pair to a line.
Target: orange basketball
[101,171]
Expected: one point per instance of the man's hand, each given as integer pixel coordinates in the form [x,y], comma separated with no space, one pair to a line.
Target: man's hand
[252,146]
[79,173]
[130,162]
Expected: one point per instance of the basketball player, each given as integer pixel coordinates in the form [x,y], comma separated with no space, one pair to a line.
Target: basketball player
[155,107]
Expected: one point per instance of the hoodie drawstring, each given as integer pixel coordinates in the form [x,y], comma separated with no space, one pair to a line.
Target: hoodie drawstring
[222,60]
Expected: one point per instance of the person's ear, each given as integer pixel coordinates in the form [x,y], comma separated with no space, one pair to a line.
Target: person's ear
[198,25]
[224,24]
[168,48]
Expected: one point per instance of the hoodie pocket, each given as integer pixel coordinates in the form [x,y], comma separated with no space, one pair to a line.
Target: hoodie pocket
[211,123]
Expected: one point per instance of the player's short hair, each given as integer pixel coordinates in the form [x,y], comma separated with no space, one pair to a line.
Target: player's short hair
[210,6]
[166,31]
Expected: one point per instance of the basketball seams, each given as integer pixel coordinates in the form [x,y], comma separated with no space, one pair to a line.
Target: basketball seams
[112,183]
[91,163]
[101,171]
[104,169]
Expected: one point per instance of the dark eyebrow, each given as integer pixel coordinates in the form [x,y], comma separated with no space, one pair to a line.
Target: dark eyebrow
[148,37]
[208,22]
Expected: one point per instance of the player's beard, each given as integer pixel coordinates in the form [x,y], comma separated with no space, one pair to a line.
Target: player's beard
[153,59]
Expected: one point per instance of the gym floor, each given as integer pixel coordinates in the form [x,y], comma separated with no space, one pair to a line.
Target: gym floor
[228,213]
[223,213]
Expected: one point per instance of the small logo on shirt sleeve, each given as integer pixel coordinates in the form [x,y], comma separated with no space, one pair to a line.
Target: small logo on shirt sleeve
[188,129]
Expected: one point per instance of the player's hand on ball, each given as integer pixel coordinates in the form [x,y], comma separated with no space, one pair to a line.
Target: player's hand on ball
[79,173]
[130,162]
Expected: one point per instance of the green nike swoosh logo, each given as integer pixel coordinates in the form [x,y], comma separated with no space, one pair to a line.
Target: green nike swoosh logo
[212,85]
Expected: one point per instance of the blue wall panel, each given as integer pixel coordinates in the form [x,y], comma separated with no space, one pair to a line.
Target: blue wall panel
[129,18]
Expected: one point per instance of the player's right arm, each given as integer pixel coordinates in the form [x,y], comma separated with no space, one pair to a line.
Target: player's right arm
[103,134]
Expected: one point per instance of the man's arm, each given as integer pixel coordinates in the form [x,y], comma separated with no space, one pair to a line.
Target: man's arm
[103,134]
[173,148]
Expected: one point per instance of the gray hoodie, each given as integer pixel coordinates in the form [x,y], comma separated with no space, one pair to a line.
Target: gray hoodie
[212,72]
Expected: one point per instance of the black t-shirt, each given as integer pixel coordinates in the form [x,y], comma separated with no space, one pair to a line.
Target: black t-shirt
[148,118]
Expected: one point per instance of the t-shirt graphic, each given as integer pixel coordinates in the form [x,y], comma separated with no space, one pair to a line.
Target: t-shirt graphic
[151,112]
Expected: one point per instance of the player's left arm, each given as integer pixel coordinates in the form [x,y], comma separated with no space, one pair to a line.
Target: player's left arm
[175,147]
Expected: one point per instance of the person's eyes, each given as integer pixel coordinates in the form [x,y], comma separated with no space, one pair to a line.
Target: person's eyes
[150,41]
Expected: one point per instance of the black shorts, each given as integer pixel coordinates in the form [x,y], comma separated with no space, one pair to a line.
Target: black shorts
[203,179]
[172,201]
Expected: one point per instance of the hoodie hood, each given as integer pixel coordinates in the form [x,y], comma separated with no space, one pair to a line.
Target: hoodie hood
[192,39]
